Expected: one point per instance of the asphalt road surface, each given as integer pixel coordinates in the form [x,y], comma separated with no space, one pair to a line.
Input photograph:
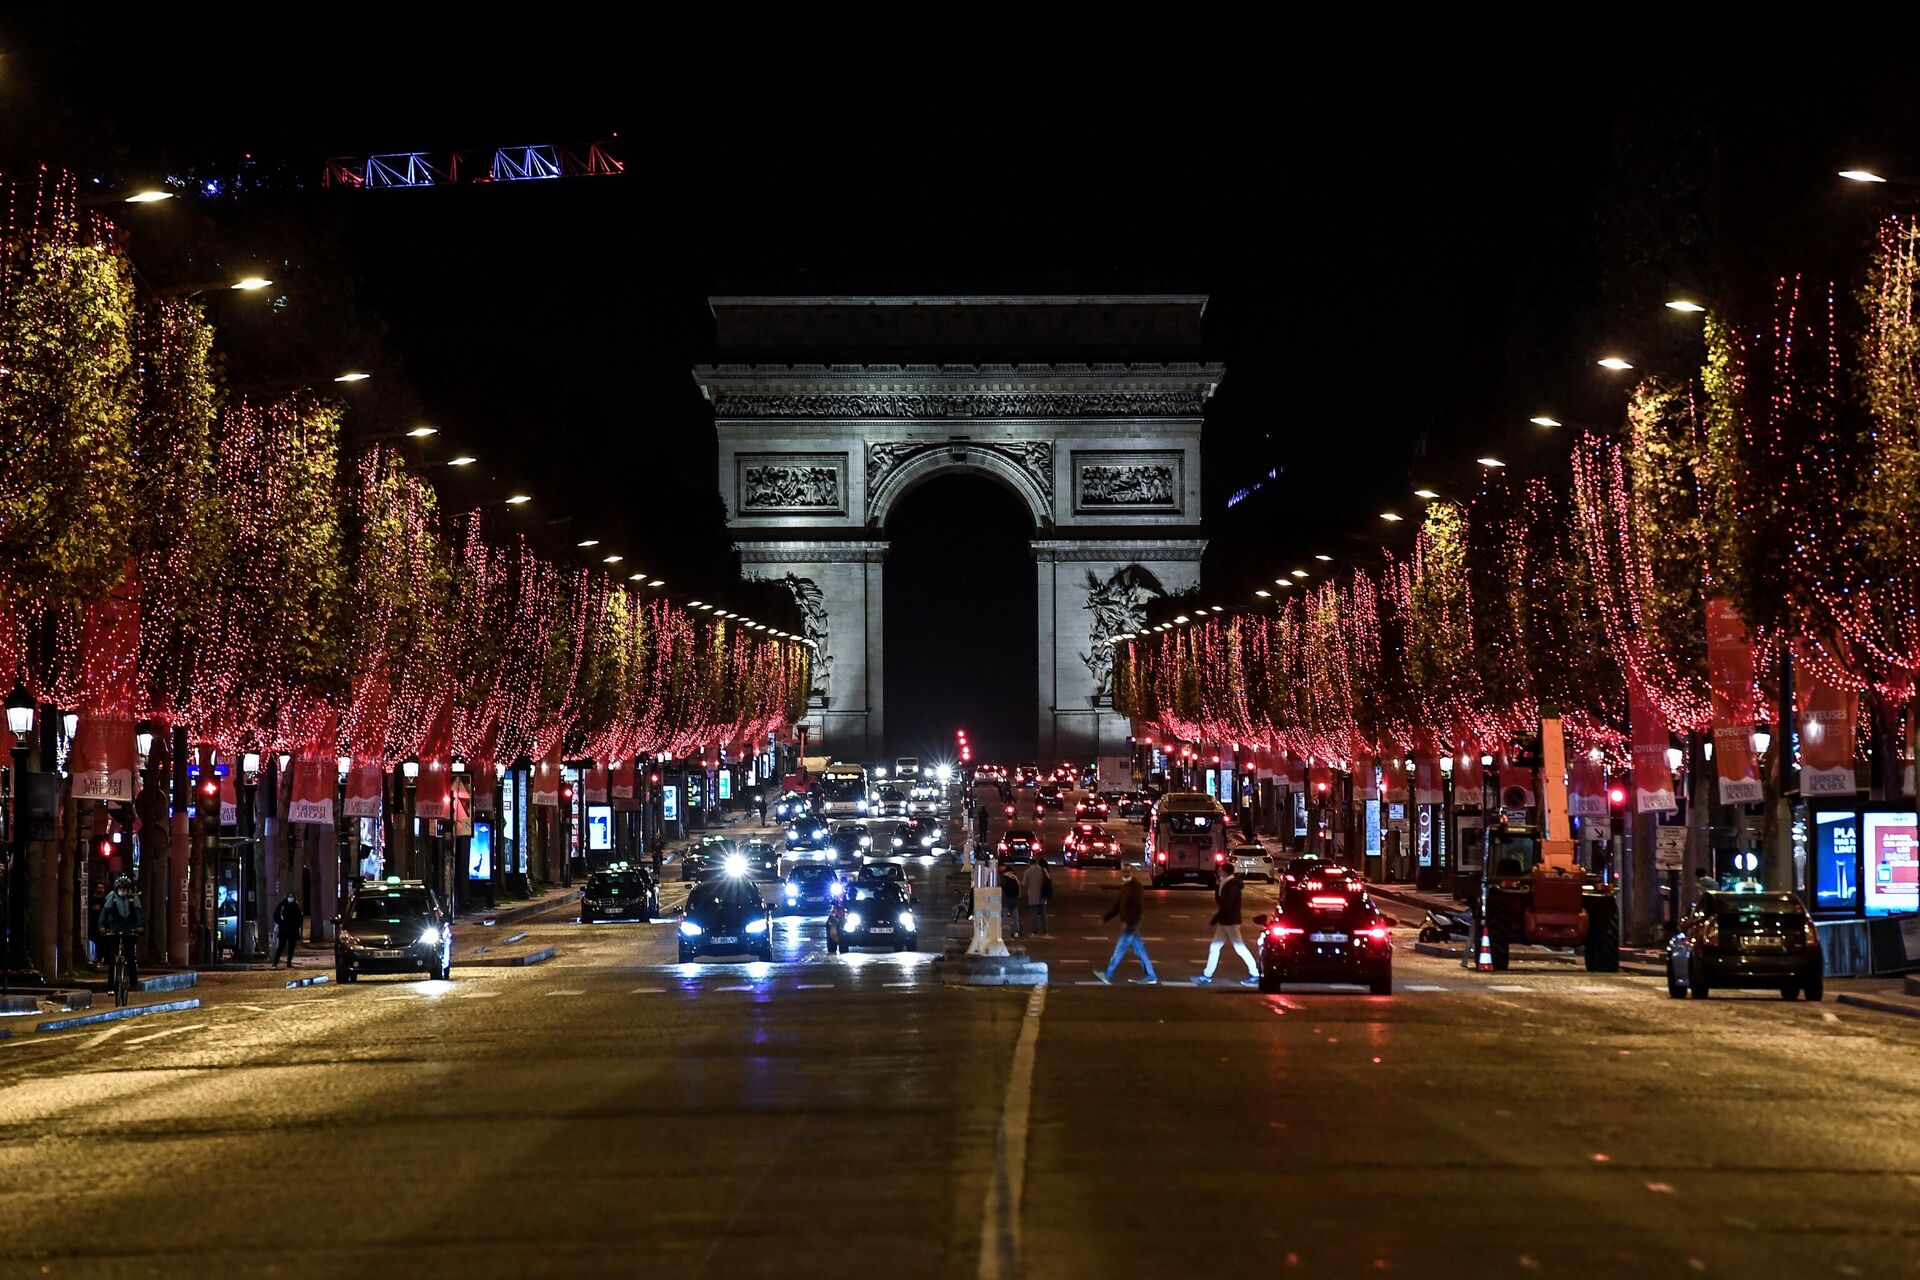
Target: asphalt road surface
[613,1113]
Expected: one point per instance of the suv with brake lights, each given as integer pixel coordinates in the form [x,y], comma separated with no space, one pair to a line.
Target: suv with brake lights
[1020,846]
[1326,930]
[1742,938]
[1093,809]
[393,926]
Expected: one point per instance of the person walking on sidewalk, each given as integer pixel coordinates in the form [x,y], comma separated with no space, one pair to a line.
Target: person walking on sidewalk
[287,919]
[1128,907]
[1009,901]
[1035,885]
[1226,929]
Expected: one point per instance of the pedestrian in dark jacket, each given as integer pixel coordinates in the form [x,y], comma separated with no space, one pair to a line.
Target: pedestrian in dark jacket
[1226,929]
[287,919]
[1010,901]
[1128,907]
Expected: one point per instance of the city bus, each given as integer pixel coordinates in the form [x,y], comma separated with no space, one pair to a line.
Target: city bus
[843,791]
[1186,839]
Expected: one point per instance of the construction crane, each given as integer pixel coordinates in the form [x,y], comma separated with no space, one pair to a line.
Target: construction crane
[533,162]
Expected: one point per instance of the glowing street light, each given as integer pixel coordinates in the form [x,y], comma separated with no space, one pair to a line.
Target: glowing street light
[1492,464]
[1861,175]
[658,582]
[149,196]
[1613,362]
[1542,420]
[1392,517]
[464,460]
[1183,620]
[1686,305]
[421,433]
[1425,494]
[1299,573]
[611,559]
[519,499]
[587,542]
[249,283]
[353,377]
[1324,559]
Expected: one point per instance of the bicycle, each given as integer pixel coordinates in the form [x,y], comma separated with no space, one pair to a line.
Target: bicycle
[119,976]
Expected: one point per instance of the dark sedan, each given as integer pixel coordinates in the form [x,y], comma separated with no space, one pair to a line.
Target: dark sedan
[625,894]
[1746,939]
[1019,846]
[395,926]
[850,843]
[810,890]
[762,858]
[708,858]
[882,918]
[806,834]
[1327,930]
[726,916]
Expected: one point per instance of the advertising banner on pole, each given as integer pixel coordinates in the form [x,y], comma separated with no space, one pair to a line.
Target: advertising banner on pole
[433,792]
[364,787]
[1825,716]
[545,788]
[315,768]
[623,785]
[1427,786]
[103,758]
[1730,683]
[1369,777]
[1652,778]
[1587,797]
[1469,780]
[595,784]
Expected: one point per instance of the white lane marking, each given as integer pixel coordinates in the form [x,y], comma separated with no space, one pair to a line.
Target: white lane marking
[1092,982]
[899,984]
[1599,990]
[108,1034]
[736,987]
[1093,937]
[1000,1222]
[1506,986]
[1072,960]
[647,991]
[567,991]
[1420,986]
[478,995]
[813,986]
[170,1031]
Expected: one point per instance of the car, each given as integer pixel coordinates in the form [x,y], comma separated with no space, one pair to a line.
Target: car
[810,889]
[705,859]
[1088,843]
[619,893]
[1744,937]
[889,802]
[1298,869]
[1326,930]
[878,873]
[1132,804]
[1252,861]
[806,834]
[890,839]
[850,842]
[1049,797]
[762,858]
[1026,775]
[792,806]
[883,918]
[393,926]
[1093,808]
[927,798]
[725,915]
[925,835]
[1020,845]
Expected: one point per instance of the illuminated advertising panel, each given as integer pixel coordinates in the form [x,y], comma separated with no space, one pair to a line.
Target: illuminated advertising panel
[1890,843]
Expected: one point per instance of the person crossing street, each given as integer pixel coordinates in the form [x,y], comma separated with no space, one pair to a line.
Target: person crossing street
[1129,907]
[287,919]
[1226,929]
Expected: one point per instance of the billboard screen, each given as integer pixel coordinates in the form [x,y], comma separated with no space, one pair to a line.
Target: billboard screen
[1891,843]
[1836,860]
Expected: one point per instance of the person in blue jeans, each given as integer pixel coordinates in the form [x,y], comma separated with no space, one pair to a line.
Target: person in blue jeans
[1128,907]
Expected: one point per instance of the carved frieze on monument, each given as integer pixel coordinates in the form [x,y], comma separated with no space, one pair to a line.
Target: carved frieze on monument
[1034,457]
[1017,404]
[796,483]
[1127,482]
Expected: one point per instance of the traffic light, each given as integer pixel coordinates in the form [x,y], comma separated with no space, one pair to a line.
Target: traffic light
[566,793]
[1617,796]
[653,779]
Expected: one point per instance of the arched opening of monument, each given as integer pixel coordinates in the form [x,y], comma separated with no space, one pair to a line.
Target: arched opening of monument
[961,621]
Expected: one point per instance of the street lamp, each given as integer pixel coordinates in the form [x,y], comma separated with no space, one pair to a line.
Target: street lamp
[1861,175]
[410,768]
[69,724]
[1761,741]
[1542,420]
[1674,756]
[143,738]
[286,758]
[250,762]
[1614,363]
[20,724]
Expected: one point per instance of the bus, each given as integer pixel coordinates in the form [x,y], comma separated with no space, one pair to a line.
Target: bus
[843,791]
[1186,839]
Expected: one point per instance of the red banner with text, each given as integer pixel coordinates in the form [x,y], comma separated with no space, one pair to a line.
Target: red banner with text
[1730,683]
[1825,716]
[1652,776]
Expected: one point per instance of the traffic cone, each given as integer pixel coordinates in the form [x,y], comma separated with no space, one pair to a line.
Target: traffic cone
[1486,950]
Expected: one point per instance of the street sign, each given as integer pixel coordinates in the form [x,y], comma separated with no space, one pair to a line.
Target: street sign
[1669,848]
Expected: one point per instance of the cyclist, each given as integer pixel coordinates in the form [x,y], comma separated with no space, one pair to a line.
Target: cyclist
[120,922]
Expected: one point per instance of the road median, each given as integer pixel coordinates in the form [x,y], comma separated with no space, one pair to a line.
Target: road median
[117,1015]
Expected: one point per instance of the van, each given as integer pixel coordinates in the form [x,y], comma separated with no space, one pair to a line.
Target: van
[1186,839]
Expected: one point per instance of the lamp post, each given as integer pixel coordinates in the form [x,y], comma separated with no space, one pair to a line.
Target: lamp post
[250,873]
[20,724]
[409,775]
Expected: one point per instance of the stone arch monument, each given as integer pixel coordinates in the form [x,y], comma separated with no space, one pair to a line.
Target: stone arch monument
[832,409]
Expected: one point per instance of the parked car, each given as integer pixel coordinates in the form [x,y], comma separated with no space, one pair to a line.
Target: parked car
[1742,938]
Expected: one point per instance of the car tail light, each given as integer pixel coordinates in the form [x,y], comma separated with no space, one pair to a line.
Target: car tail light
[1219,858]
[1009,811]
[1312,884]
[1356,886]
[1378,932]
[1282,932]
[1161,857]
[1003,846]
[1322,903]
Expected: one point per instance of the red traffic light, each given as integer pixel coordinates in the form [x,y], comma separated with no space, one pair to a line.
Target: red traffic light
[1617,796]
[566,792]
[653,779]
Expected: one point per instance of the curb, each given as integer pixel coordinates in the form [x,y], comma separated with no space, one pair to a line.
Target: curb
[507,942]
[989,971]
[1879,1005]
[314,981]
[116,1015]
[1436,949]
[514,962]
[171,981]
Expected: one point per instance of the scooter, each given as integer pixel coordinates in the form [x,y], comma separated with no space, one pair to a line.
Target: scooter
[1446,926]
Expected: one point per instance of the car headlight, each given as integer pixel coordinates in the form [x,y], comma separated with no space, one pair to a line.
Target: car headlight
[906,919]
[820,833]
[861,806]
[838,890]
[792,889]
[898,841]
[853,920]
[926,842]
[688,929]
[430,936]
[793,833]
[756,926]
[866,842]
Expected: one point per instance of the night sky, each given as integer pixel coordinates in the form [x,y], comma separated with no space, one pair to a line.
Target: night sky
[1415,235]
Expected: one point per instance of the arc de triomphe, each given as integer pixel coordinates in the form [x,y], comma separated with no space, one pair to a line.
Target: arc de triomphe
[830,420]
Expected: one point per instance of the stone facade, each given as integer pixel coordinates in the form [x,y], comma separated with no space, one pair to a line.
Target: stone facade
[1106,458]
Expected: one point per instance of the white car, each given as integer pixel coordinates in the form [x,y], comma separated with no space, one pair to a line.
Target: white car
[1253,862]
